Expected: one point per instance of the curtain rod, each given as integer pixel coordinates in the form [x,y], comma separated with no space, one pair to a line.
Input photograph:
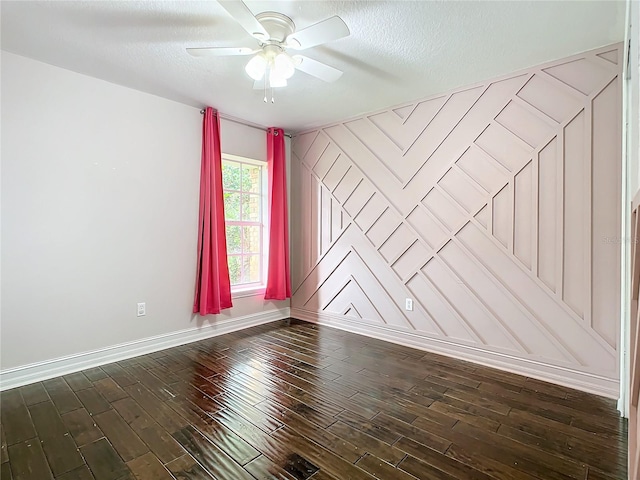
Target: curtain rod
[234,120]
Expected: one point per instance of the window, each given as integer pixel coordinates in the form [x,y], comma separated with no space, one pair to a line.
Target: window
[245,187]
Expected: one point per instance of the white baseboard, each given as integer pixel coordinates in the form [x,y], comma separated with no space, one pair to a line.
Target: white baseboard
[560,375]
[36,372]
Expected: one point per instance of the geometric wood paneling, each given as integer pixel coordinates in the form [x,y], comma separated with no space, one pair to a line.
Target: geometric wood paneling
[495,207]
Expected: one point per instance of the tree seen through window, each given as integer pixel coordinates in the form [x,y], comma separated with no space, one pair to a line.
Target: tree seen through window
[243,198]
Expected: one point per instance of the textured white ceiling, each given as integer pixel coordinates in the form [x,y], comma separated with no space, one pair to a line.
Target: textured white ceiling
[398,51]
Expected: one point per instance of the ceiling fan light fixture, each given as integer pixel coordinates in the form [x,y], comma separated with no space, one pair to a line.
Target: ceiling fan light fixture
[256,67]
[284,66]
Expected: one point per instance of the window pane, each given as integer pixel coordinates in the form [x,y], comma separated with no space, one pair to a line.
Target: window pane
[233,240]
[231,175]
[244,203]
[250,178]
[231,206]
[250,208]
[251,239]
[251,268]
[235,270]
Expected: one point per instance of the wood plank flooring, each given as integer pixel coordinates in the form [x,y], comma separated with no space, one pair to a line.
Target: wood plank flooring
[292,400]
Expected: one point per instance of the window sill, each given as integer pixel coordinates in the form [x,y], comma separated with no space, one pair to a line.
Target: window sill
[251,291]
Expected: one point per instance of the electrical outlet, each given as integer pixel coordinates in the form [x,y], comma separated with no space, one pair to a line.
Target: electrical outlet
[408,304]
[142,309]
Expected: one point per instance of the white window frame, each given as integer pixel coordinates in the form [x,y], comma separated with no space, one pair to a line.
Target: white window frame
[255,288]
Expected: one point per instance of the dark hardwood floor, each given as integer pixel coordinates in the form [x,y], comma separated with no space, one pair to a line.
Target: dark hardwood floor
[302,401]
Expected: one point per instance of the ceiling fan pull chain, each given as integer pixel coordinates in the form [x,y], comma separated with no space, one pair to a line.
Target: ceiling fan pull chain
[265,88]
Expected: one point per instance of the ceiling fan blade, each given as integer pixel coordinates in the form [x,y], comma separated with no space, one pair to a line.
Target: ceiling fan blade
[322,32]
[241,13]
[219,51]
[317,69]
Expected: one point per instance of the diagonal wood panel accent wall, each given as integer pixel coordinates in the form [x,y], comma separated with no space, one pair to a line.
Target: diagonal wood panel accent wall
[496,208]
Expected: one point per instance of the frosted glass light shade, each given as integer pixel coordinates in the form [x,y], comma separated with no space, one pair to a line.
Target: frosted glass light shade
[256,67]
[284,66]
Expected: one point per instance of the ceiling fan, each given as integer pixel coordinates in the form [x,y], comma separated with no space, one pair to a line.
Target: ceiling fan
[276,33]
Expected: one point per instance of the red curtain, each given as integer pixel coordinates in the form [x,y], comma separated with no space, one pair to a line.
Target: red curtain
[278,279]
[213,287]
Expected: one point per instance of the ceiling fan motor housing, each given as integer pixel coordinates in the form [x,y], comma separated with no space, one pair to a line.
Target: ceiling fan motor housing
[278,26]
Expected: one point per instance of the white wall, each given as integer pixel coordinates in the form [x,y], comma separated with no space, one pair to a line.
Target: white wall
[630,369]
[633,96]
[631,182]
[100,188]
